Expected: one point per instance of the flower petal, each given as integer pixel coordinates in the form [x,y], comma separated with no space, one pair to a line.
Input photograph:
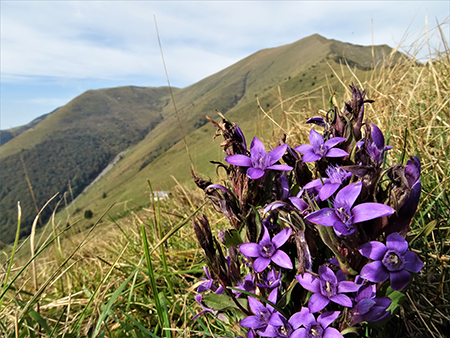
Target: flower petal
[315,139]
[373,250]
[347,286]
[280,258]
[348,195]
[240,160]
[303,148]
[257,148]
[326,318]
[325,216]
[254,173]
[313,184]
[377,137]
[342,300]
[277,153]
[375,272]
[334,141]
[298,203]
[367,211]
[316,120]
[252,322]
[303,317]
[412,170]
[309,282]
[317,302]
[310,156]
[260,264]
[326,274]
[265,236]
[250,249]
[281,238]
[280,167]
[399,279]
[328,190]
[412,262]
[331,332]
[396,242]
[336,152]
[256,306]
[297,319]
[300,333]
[343,230]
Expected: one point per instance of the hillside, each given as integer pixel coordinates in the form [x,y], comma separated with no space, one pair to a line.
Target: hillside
[79,140]
[7,135]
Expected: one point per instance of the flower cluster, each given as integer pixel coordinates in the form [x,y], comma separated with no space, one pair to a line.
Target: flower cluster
[315,240]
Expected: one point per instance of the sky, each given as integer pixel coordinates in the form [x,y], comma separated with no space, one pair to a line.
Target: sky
[53,51]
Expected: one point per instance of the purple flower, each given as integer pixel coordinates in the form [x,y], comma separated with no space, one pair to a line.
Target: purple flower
[248,284]
[263,315]
[343,217]
[368,308]
[390,261]
[284,329]
[336,176]
[259,160]
[239,135]
[208,284]
[268,250]
[316,328]
[198,299]
[326,288]
[270,280]
[316,120]
[319,149]
[377,148]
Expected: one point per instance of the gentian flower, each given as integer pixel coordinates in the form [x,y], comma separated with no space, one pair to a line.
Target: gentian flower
[259,161]
[239,135]
[336,176]
[326,288]
[319,149]
[316,120]
[263,315]
[390,261]
[284,329]
[198,299]
[248,284]
[377,148]
[268,250]
[368,308]
[316,328]
[208,284]
[343,217]
[270,280]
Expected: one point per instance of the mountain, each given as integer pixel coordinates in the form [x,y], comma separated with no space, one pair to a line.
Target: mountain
[70,148]
[7,135]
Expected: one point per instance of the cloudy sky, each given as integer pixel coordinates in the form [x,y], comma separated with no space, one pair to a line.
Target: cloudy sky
[52,51]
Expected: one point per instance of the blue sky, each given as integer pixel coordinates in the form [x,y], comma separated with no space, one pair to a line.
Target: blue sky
[52,51]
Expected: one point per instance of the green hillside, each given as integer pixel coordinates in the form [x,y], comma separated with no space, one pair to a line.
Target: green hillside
[78,141]
[67,150]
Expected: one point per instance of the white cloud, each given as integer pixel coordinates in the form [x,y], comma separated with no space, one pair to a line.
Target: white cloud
[117,39]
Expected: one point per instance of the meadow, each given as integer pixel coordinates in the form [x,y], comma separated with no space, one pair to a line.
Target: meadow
[136,274]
